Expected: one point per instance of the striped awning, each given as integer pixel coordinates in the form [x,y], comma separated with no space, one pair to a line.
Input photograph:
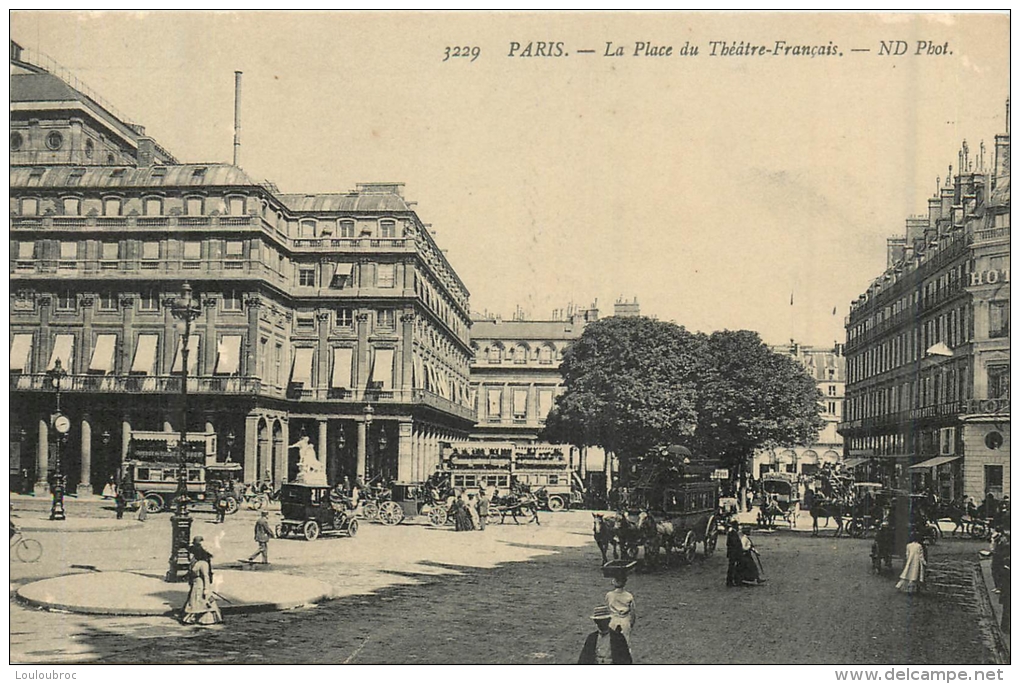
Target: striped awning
[102,355]
[382,368]
[854,462]
[63,349]
[21,351]
[934,462]
[228,355]
[301,371]
[145,355]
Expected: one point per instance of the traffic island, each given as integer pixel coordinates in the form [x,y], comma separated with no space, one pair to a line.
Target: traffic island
[127,593]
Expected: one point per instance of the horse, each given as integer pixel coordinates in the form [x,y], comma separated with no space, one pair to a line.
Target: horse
[822,508]
[628,536]
[604,531]
[656,536]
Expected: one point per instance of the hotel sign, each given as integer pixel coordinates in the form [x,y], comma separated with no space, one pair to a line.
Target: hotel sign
[989,277]
[995,406]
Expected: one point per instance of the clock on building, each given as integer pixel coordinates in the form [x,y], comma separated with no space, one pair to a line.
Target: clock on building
[61,423]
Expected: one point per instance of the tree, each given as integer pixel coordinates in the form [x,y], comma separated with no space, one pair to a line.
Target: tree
[629,385]
[750,397]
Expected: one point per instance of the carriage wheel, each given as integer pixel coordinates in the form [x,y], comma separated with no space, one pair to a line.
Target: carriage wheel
[556,504]
[437,516]
[391,513]
[153,503]
[311,530]
[232,506]
[932,532]
[370,511]
[856,528]
[978,529]
[690,548]
[711,536]
[352,528]
[280,532]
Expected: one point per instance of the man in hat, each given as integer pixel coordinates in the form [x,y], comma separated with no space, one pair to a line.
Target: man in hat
[262,536]
[604,646]
[733,553]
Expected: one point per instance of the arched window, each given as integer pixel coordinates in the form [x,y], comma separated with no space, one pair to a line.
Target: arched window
[306,228]
[545,354]
[346,228]
[520,354]
[387,228]
[495,354]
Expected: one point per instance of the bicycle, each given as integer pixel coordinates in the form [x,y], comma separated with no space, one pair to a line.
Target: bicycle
[27,550]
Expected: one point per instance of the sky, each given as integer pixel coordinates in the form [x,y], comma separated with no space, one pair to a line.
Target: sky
[714,189]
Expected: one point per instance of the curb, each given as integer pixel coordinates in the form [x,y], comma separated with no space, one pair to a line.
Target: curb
[1000,648]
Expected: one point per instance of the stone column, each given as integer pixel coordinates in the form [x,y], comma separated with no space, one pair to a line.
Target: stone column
[362,448]
[363,353]
[280,476]
[322,448]
[85,485]
[125,438]
[405,463]
[42,458]
[406,351]
[250,366]
[251,447]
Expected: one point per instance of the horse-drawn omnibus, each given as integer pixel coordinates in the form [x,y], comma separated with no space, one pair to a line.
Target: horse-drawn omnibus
[150,473]
[544,469]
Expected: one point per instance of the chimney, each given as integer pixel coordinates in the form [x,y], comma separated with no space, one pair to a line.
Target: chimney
[237,117]
[146,152]
[1001,156]
[896,248]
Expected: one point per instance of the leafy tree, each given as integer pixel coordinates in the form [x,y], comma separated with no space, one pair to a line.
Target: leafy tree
[750,397]
[629,385]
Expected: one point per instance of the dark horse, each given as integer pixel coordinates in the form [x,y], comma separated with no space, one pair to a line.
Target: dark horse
[604,531]
[617,530]
[827,508]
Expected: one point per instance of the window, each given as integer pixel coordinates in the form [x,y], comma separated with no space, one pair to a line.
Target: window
[29,207]
[305,323]
[66,300]
[107,301]
[495,400]
[192,250]
[306,277]
[998,319]
[520,403]
[520,354]
[306,228]
[231,301]
[235,206]
[148,301]
[388,229]
[68,251]
[832,390]
[198,176]
[346,229]
[90,148]
[54,140]
[385,275]
[344,317]
[71,206]
[495,355]
[35,176]
[545,355]
[26,250]
[386,319]
[832,407]
[158,174]
[16,142]
[111,206]
[74,178]
[111,251]
[153,206]
[150,249]
[235,249]
[998,382]
[193,206]
[993,480]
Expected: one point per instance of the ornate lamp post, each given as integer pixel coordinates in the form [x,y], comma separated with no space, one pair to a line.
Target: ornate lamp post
[185,309]
[62,425]
[230,444]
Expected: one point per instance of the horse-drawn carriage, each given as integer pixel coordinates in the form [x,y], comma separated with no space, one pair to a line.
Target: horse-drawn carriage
[673,507]
[777,498]
[310,510]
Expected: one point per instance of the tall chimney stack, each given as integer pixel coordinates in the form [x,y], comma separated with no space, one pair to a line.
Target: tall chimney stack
[237,116]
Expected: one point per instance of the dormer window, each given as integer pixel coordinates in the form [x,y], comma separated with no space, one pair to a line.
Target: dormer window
[117,173]
[198,176]
[75,177]
[387,229]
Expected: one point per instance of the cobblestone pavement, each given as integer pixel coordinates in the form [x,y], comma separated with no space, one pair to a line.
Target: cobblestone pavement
[522,595]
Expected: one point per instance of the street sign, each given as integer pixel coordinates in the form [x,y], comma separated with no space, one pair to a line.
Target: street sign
[720,474]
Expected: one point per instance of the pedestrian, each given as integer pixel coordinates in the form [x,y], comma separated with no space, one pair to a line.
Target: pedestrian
[1000,559]
[121,503]
[472,507]
[747,569]
[263,533]
[621,605]
[1004,589]
[110,489]
[733,553]
[604,646]
[143,511]
[221,505]
[483,507]
[201,608]
[912,577]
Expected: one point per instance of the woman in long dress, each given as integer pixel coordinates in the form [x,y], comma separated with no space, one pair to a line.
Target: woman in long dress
[621,605]
[201,608]
[912,577]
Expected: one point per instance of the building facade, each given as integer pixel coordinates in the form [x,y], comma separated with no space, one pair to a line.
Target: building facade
[927,396]
[828,368]
[336,316]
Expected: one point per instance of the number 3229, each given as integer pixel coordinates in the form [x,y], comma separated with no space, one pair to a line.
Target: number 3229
[456,51]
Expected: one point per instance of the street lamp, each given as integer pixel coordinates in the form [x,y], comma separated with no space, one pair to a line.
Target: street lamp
[185,309]
[230,443]
[61,424]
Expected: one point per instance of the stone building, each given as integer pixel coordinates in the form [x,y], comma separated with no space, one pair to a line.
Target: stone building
[927,396]
[332,315]
[828,368]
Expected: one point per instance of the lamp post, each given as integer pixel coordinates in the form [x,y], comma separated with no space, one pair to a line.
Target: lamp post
[105,438]
[230,444]
[61,424]
[185,309]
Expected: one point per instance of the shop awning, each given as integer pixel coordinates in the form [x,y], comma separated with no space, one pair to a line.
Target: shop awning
[934,462]
[418,373]
[63,349]
[854,462]
[21,349]
[192,355]
[301,371]
[102,355]
[382,368]
[343,358]
[228,355]
[145,355]
[520,402]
